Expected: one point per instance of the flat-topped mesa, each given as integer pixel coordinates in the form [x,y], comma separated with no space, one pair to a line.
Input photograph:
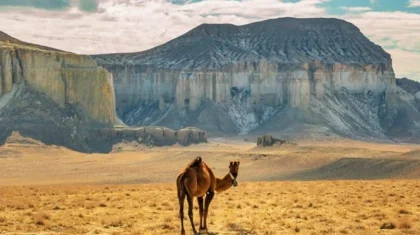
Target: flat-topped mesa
[66,78]
[284,40]
[279,62]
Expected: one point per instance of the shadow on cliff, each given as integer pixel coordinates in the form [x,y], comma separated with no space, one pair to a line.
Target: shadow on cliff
[35,116]
[102,140]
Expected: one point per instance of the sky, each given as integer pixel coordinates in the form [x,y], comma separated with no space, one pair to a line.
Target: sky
[107,26]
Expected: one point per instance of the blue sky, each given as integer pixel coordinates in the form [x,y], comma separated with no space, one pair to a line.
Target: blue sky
[335,7]
[103,26]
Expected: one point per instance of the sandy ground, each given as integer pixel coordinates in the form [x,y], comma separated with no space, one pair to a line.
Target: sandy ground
[322,207]
[53,190]
[28,162]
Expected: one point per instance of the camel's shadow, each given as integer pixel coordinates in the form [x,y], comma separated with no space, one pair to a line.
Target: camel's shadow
[208,233]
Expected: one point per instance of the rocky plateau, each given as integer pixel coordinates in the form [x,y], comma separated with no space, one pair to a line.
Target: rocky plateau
[291,78]
[287,76]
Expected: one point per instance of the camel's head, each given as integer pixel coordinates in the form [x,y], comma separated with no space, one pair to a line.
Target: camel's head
[233,172]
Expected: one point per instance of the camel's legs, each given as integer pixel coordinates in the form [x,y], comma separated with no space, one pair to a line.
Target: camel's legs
[190,212]
[201,209]
[209,197]
[181,198]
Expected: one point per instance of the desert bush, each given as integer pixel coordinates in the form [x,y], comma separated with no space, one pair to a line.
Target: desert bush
[389,225]
[403,211]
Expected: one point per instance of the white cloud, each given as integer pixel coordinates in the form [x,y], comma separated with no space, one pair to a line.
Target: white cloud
[399,27]
[399,32]
[356,9]
[414,3]
[406,64]
[136,25]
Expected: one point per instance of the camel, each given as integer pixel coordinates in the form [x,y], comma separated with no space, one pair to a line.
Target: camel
[198,180]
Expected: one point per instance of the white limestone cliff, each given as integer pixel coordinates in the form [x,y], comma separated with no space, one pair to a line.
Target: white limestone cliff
[277,64]
[66,78]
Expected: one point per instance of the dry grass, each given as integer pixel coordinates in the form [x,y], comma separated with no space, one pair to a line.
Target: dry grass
[324,207]
[54,204]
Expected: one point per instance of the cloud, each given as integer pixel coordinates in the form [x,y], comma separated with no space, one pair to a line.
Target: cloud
[136,25]
[406,64]
[356,9]
[398,33]
[414,3]
[402,28]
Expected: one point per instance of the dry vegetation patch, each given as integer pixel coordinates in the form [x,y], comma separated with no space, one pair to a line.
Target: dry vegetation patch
[324,207]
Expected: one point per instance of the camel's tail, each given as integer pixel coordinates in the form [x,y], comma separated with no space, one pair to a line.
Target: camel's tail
[180,184]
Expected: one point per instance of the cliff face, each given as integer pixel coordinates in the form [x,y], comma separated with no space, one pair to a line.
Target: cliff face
[269,83]
[66,78]
[67,99]
[233,79]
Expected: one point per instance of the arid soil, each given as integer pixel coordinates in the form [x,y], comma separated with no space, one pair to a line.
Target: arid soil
[323,207]
[52,190]
[25,161]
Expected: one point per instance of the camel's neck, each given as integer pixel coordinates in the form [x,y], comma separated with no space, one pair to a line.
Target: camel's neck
[224,183]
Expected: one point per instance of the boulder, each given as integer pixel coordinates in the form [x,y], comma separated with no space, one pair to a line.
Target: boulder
[191,135]
[268,140]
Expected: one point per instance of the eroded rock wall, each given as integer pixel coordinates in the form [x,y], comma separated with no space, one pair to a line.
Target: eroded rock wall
[66,78]
[269,84]
[160,136]
[221,77]
[66,99]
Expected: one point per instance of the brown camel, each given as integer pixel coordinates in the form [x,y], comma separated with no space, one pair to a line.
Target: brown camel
[198,180]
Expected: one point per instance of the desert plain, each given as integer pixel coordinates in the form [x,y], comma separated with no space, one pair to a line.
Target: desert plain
[310,187]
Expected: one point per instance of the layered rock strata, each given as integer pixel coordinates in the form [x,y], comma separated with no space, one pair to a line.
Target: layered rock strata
[249,74]
[66,78]
[66,99]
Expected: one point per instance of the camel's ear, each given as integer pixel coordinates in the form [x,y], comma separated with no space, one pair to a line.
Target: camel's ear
[231,163]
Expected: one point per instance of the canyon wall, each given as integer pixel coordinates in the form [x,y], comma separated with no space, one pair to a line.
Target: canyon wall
[268,83]
[231,79]
[66,78]
[66,99]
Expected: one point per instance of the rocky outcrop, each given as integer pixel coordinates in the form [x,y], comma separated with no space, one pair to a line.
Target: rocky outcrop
[150,135]
[232,79]
[51,95]
[36,116]
[66,99]
[66,78]
[268,140]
